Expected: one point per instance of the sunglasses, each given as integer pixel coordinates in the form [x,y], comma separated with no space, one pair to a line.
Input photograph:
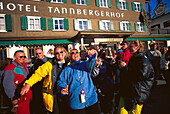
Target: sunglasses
[58,52]
[38,53]
[74,53]
[22,57]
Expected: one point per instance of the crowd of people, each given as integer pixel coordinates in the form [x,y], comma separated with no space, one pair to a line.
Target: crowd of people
[91,81]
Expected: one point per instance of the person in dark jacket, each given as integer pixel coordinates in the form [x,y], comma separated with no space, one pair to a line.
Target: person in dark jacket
[37,98]
[136,80]
[104,84]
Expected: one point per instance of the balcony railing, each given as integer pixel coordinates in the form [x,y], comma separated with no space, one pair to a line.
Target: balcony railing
[159,31]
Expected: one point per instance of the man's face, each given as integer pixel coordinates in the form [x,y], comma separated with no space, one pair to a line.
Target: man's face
[133,48]
[60,54]
[40,54]
[153,47]
[124,45]
[75,56]
[20,57]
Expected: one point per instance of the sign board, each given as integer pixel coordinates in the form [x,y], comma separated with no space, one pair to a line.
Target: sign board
[160,9]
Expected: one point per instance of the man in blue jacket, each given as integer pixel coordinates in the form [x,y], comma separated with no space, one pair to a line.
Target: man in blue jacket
[75,80]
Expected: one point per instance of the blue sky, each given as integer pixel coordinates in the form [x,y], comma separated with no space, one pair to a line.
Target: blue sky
[153,4]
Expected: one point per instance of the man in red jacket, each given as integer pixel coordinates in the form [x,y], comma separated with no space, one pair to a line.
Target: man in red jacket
[14,75]
[126,52]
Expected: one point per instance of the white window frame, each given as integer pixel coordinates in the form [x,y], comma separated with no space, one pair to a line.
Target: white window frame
[56,1]
[140,27]
[122,6]
[36,0]
[1,4]
[33,17]
[58,24]
[81,2]
[105,25]
[82,22]
[125,26]
[138,9]
[103,3]
[3,24]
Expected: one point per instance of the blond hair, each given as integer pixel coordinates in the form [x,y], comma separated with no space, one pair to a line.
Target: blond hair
[62,48]
[70,54]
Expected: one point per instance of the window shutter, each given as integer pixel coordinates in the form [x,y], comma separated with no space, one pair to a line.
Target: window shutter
[76,24]
[101,25]
[127,5]
[89,24]
[73,1]
[133,6]
[141,6]
[111,25]
[8,22]
[24,23]
[87,2]
[42,0]
[43,23]
[97,3]
[64,1]
[120,23]
[117,4]
[109,3]
[50,24]
[48,0]
[144,27]
[66,24]
[130,26]
[136,26]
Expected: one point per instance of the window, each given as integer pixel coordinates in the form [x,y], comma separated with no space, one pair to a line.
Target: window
[36,0]
[167,24]
[104,3]
[125,26]
[3,53]
[140,27]
[34,23]
[136,6]
[58,24]
[105,25]
[82,24]
[81,2]
[2,23]
[122,4]
[1,5]
[57,1]
[5,23]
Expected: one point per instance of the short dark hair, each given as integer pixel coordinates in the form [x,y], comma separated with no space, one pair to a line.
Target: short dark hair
[18,51]
[124,42]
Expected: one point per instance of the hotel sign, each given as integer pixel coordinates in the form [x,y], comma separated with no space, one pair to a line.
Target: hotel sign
[160,9]
[61,10]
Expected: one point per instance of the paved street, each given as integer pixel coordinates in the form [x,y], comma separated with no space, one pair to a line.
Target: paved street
[160,100]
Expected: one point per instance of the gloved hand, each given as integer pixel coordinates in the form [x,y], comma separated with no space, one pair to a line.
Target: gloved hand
[129,104]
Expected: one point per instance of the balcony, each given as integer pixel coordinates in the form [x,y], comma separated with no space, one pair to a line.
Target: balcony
[159,31]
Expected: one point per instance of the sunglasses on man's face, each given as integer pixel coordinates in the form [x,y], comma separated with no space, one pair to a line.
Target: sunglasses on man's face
[22,57]
[58,52]
[74,52]
[38,53]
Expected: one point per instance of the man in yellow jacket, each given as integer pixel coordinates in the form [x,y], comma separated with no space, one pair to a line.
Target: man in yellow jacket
[50,72]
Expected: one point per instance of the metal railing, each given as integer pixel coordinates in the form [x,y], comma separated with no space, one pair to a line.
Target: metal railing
[159,31]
